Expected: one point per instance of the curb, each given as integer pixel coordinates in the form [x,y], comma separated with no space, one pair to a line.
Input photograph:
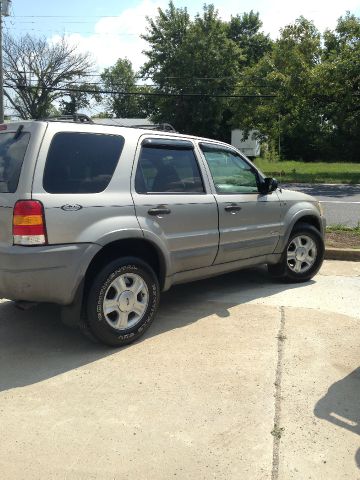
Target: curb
[349,254]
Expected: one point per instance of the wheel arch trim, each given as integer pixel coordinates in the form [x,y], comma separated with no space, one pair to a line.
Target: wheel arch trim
[306,215]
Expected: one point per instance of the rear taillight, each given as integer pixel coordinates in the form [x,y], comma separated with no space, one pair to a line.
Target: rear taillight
[29,227]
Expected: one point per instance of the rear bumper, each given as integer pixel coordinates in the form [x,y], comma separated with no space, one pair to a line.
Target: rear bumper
[44,274]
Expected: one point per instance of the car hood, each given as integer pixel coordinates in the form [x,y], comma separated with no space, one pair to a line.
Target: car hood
[294,196]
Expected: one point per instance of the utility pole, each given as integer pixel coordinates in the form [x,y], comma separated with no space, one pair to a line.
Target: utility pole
[4,11]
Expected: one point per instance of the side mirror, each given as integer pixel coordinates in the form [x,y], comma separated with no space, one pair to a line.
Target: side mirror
[268,185]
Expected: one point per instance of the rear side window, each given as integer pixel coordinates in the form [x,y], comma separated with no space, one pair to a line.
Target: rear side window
[168,170]
[12,152]
[81,162]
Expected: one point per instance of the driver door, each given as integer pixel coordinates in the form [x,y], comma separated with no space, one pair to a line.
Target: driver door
[249,222]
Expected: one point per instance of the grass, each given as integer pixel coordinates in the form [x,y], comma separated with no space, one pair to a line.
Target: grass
[340,236]
[310,172]
[343,229]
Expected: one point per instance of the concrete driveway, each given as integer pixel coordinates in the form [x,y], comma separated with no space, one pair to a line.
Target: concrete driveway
[238,378]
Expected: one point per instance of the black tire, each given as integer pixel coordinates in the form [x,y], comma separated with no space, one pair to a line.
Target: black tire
[282,270]
[97,324]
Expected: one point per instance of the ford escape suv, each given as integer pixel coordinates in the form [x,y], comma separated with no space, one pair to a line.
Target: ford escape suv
[100,219]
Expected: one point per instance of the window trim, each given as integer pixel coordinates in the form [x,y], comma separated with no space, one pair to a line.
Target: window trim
[159,143]
[98,134]
[227,148]
[167,144]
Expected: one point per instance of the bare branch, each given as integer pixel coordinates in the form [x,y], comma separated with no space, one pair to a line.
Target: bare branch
[33,68]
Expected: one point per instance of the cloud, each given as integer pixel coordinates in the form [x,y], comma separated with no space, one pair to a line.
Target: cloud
[279,13]
[118,37]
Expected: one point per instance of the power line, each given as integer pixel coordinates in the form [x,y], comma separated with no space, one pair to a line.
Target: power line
[148,94]
[66,32]
[163,94]
[32,22]
[73,16]
[140,77]
[99,17]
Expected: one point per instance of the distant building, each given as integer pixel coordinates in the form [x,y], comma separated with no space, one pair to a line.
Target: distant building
[250,147]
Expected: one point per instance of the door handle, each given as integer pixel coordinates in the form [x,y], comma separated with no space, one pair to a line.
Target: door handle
[159,210]
[232,208]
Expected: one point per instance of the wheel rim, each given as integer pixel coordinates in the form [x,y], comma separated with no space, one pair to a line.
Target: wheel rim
[301,254]
[125,301]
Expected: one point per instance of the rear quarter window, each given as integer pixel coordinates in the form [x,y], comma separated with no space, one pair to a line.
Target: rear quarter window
[81,162]
[12,152]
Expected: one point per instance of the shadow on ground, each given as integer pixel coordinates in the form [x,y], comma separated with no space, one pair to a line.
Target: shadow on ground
[341,405]
[34,345]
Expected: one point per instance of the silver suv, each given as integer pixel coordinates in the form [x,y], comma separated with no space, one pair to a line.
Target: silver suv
[100,219]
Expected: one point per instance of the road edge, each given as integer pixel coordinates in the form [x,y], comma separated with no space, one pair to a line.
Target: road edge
[348,254]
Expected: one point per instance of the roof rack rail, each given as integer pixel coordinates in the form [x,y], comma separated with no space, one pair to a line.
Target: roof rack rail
[77,118]
[165,127]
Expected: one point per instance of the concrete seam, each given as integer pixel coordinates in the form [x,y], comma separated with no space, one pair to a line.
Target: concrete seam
[277,429]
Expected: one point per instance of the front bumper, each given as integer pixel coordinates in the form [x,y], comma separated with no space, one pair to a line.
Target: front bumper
[44,274]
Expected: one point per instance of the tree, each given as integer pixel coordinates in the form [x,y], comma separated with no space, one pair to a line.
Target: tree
[245,31]
[192,57]
[316,111]
[338,78]
[122,78]
[165,35]
[104,115]
[36,73]
[79,97]
[287,73]
[302,89]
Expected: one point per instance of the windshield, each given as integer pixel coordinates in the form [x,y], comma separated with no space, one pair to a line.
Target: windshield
[12,152]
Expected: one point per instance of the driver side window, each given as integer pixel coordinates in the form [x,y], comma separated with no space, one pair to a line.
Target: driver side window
[231,174]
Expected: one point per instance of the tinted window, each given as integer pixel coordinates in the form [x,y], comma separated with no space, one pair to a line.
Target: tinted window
[81,162]
[231,174]
[12,152]
[168,170]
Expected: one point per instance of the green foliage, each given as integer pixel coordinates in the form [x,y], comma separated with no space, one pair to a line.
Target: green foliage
[286,72]
[244,30]
[79,98]
[301,92]
[202,56]
[103,115]
[316,112]
[338,77]
[311,172]
[122,78]
[343,228]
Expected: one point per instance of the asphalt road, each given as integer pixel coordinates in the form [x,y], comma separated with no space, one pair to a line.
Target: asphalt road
[341,202]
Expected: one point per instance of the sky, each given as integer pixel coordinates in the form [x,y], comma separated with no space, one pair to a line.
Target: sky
[111,29]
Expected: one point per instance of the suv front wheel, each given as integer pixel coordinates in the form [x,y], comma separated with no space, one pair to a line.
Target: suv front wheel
[122,301]
[303,255]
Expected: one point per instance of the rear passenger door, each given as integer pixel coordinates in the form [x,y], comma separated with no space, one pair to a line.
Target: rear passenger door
[173,202]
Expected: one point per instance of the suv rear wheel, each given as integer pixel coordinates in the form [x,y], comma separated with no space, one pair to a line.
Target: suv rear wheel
[303,255]
[122,301]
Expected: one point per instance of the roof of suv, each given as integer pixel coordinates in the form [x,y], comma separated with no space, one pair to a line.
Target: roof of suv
[164,129]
